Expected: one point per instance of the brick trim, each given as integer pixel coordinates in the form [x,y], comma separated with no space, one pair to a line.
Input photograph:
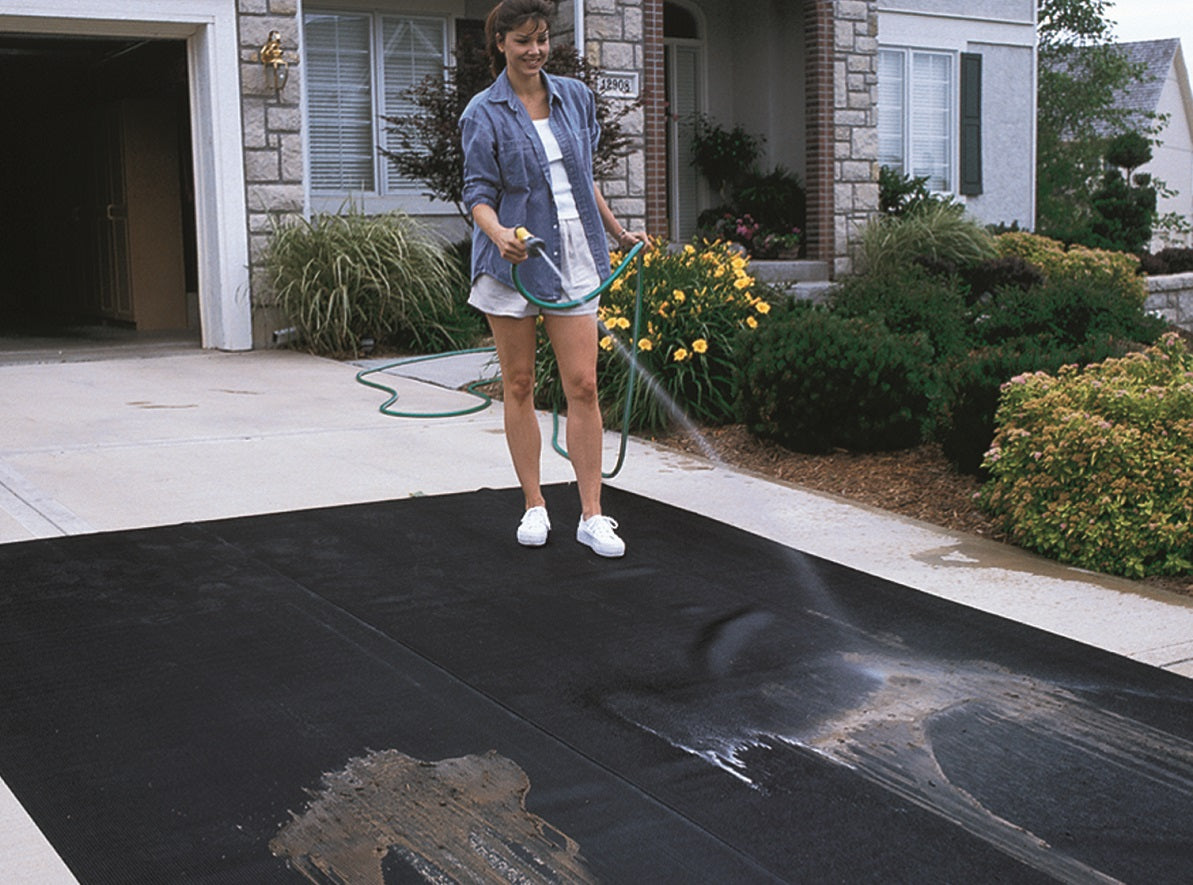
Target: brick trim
[654,106]
[820,58]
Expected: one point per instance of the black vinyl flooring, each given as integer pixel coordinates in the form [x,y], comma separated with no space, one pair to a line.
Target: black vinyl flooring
[397,692]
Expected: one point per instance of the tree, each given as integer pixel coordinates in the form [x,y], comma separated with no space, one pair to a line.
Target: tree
[427,142]
[1080,74]
[1124,207]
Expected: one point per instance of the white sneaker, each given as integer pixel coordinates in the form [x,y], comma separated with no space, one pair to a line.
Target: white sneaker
[533,529]
[597,532]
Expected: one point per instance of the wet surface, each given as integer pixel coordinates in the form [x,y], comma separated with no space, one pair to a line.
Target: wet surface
[454,820]
[204,702]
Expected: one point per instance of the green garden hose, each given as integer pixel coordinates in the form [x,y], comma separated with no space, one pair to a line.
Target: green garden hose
[485,400]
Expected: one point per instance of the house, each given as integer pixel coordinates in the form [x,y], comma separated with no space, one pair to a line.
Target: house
[160,140]
[1163,90]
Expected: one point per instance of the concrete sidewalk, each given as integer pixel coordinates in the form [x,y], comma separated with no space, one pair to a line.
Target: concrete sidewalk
[191,435]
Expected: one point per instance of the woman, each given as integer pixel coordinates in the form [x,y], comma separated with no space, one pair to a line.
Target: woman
[528,144]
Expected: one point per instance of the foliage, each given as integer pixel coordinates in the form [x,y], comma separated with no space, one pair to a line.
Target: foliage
[764,212]
[900,194]
[1124,206]
[776,199]
[749,234]
[939,232]
[813,380]
[696,303]
[1066,320]
[426,143]
[1092,467]
[1009,271]
[344,278]
[1168,261]
[723,156]
[907,299]
[1080,74]
[1077,263]
[977,380]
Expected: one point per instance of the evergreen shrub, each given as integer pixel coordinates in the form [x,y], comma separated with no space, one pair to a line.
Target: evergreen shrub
[813,380]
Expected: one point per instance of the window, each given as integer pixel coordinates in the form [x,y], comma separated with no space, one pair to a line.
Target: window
[916,123]
[357,66]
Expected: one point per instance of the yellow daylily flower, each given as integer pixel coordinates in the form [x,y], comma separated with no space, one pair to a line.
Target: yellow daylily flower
[606,343]
[700,345]
[751,322]
[623,322]
[762,307]
[680,355]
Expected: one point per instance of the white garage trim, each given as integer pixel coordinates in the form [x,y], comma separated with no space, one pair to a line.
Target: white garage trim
[210,29]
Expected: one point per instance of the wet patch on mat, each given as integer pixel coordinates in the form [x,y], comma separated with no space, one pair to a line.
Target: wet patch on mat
[881,712]
[461,819]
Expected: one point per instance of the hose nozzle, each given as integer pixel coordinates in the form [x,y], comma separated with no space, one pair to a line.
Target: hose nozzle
[533,244]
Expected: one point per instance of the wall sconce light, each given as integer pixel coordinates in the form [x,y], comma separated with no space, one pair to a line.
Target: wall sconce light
[273,59]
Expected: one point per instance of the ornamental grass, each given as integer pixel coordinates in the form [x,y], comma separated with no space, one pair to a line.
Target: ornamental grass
[696,302]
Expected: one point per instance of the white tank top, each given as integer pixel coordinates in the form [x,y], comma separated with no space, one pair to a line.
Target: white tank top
[561,188]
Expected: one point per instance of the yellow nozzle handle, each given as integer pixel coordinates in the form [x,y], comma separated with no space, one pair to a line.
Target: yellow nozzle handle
[523,234]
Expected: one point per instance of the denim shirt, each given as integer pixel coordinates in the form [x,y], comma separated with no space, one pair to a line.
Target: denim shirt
[506,167]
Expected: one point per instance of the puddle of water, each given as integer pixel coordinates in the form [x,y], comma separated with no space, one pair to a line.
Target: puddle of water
[456,820]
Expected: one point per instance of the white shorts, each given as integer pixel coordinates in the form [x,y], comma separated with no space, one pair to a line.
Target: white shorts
[580,277]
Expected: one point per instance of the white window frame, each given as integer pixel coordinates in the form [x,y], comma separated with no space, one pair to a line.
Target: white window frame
[385,194]
[908,134]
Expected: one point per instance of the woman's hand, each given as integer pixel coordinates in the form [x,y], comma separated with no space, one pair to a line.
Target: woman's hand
[627,239]
[512,249]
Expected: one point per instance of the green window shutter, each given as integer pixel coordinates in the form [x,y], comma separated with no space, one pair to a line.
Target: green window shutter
[971,124]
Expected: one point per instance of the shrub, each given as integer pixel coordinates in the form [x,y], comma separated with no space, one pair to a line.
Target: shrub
[907,299]
[1066,310]
[1007,272]
[939,232]
[900,194]
[344,278]
[1038,329]
[813,380]
[1094,467]
[1168,260]
[695,305]
[1077,263]
[977,380]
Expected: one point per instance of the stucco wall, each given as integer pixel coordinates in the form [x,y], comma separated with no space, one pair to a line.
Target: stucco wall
[1172,161]
[1003,33]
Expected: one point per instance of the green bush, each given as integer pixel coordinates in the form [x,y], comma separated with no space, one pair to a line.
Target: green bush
[907,299]
[976,382]
[813,380]
[993,274]
[696,303]
[1066,310]
[938,231]
[1064,321]
[1077,263]
[344,278]
[1094,467]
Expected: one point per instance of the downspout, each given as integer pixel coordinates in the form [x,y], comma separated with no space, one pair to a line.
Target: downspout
[578,27]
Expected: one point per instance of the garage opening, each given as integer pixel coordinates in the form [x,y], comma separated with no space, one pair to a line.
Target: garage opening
[97,231]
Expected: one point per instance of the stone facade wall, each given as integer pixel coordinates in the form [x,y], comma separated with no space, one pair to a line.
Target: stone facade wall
[273,143]
[855,124]
[617,38]
[1171,296]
